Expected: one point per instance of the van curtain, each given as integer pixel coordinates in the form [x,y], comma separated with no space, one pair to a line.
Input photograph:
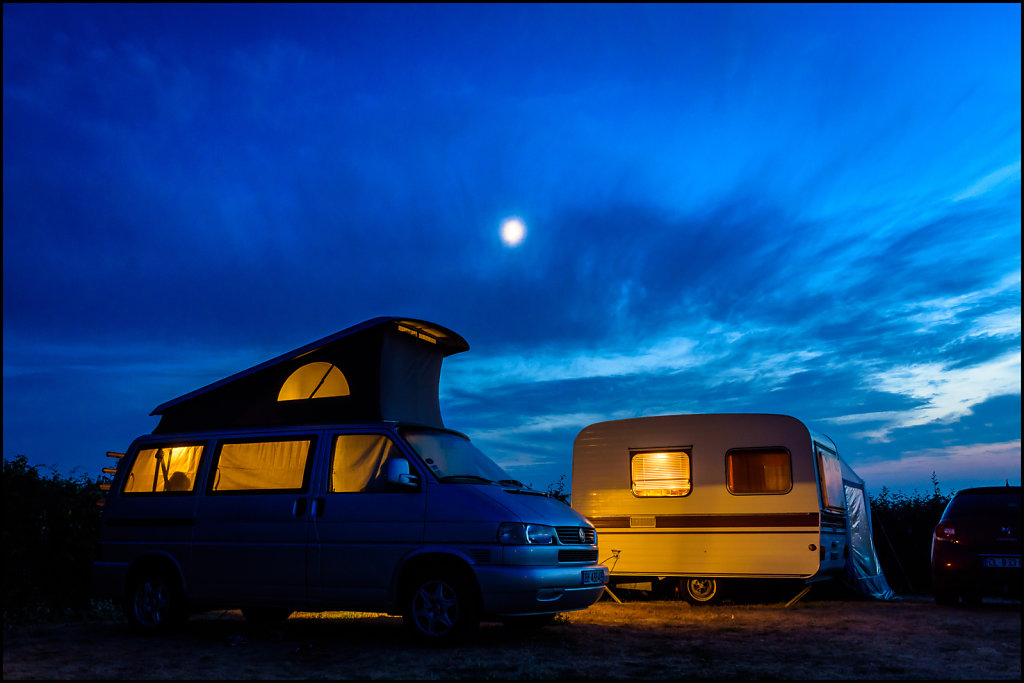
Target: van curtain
[358,462]
[157,470]
[262,465]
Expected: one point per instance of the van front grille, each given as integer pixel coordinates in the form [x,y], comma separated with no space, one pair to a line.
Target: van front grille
[577,556]
[575,535]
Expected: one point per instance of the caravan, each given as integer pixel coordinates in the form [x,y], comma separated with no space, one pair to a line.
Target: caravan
[693,501]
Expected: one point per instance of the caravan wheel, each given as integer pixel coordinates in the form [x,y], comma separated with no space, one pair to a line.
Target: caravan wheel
[700,590]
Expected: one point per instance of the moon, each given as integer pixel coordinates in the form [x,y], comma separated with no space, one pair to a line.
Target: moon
[513,230]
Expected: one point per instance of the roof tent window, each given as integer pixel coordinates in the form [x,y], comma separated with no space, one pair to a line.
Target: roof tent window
[314,380]
[164,470]
[760,470]
[660,473]
[262,466]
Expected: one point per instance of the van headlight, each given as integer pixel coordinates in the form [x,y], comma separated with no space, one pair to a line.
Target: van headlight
[517,533]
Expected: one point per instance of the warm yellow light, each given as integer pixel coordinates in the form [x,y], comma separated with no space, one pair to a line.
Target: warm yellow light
[513,230]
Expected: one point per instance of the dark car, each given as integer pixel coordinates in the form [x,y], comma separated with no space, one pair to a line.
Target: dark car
[976,546]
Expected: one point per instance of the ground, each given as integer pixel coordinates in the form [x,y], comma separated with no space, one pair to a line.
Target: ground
[636,639]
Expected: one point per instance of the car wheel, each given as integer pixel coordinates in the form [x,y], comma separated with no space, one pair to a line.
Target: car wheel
[155,603]
[441,607]
[700,591]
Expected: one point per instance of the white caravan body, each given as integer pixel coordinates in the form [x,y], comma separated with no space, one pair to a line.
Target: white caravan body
[712,496]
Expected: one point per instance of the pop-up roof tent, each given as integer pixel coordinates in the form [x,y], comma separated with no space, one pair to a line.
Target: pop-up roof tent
[382,369]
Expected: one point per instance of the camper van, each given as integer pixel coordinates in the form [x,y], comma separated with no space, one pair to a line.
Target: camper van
[688,503]
[324,479]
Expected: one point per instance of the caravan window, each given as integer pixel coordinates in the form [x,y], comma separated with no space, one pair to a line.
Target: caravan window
[660,473]
[831,480]
[164,469]
[759,470]
[264,466]
[358,463]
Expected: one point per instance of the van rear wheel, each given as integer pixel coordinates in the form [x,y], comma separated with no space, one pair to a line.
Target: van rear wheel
[155,603]
[700,590]
[441,607]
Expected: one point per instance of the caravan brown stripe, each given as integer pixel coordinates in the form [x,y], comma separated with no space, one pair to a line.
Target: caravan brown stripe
[804,519]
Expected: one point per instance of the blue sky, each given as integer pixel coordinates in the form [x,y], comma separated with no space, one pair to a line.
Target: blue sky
[802,209]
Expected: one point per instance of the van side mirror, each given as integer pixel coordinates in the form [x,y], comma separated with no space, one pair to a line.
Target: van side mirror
[398,474]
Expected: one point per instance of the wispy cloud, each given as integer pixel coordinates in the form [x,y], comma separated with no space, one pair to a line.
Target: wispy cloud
[930,313]
[943,393]
[995,180]
[978,464]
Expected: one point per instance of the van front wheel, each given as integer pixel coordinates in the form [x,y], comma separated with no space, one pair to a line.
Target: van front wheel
[441,607]
[700,591]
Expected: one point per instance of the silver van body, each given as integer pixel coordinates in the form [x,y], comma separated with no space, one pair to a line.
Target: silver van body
[313,550]
[379,515]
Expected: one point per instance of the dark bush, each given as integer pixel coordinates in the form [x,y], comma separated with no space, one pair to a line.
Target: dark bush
[903,527]
[51,523]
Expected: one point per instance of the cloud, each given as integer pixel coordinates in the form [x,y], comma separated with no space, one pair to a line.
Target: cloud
[944,393]
[995,180]
[980,464]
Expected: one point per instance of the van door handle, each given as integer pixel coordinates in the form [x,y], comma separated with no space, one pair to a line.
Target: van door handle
[318,507]
[299,507]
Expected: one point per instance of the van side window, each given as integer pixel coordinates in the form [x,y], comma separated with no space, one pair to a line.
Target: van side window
[358,462]
[660,473]
[166,469]
[759,470]
[261,466]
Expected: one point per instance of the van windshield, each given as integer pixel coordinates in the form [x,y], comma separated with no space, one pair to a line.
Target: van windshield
[452,458]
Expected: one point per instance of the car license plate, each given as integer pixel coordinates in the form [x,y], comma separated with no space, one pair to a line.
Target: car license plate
[593,577]
[1002,562]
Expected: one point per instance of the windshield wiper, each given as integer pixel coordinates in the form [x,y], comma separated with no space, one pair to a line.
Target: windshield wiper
[465,477]
[512,482]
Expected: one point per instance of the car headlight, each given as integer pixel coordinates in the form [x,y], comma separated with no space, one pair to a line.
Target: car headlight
[517,533]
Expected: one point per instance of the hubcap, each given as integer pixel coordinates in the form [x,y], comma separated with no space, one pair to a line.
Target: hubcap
[152,602]
[701,589]
[436,608]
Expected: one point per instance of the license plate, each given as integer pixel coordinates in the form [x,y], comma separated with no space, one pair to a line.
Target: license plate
[593,577]
[1002,562]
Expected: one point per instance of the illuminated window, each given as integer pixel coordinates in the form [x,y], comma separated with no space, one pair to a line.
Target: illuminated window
[759,470]
[315,380]
[661,473]
[168,469]
[262,466]
[831,480]
[359,461]
[417,333]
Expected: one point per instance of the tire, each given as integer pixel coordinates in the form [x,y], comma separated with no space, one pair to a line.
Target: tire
[266,615]
[155,603]
[700,590]
[441,607]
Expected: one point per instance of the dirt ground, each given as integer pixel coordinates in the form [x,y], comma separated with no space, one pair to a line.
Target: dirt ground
[637,639]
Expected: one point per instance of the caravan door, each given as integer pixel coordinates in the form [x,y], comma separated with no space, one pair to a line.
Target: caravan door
[834,519]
